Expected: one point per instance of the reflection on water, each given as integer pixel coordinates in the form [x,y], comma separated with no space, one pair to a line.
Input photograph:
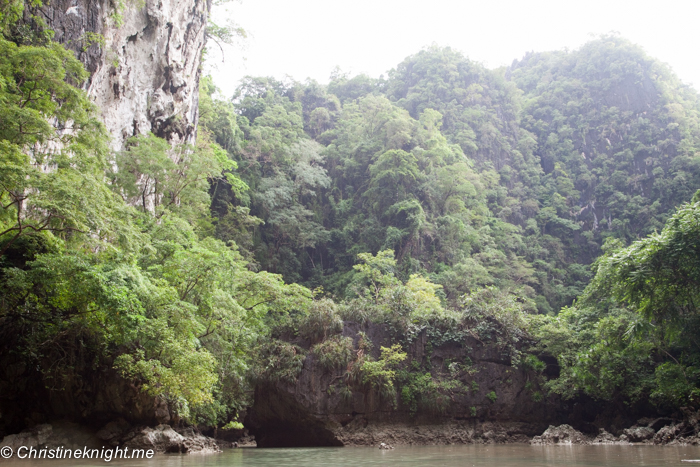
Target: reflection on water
[448,456]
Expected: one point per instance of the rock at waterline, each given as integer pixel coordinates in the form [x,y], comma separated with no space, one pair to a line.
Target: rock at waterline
[63,434]
[637,434]
[562,434]
[164,439]
[385,446]
[68,435]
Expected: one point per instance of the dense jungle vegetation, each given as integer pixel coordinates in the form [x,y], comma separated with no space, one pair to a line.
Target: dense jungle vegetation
[553,198]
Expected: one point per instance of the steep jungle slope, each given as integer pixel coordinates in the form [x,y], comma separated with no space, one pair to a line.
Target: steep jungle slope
[510,177]
[373,178]
[621,127]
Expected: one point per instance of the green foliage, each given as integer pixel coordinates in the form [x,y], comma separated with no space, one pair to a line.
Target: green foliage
[660,275]
[232,425]
[447,199]
[10,13]
[321,321]
[533,363]
[499,317]
[69,200]
[639,342]
[91,282]
[383,298]
[159,178]
[90,38]
[380,374]
[334,353]
[421,391]
[278,361]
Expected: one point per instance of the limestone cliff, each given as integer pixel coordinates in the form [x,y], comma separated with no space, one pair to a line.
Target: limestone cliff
[145,75]
[498,402]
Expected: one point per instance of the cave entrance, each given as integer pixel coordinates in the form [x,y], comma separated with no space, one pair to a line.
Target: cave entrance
[288,435]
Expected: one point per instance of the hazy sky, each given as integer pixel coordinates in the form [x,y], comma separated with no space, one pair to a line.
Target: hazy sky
[309,38]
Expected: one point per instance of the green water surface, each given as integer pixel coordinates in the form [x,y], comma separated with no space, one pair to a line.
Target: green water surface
[447,456]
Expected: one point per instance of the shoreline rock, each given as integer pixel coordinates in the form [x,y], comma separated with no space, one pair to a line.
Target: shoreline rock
[118,433]
[165,439]
[562,434]
[457,432]
[53,435]
[658,431]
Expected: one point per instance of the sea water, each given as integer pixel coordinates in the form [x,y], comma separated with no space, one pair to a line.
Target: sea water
[510,455]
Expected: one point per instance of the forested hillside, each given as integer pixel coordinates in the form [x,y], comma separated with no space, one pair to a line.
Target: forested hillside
[511,177]
[517,178]
[447,199]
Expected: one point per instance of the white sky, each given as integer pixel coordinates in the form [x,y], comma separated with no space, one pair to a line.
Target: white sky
[309,38]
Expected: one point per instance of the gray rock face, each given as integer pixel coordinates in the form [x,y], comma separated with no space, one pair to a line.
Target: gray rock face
[38,435]
[195,442]
[565,434]
[111,432]
[145,77]
[669,434]
[655,423]
[499,405]
[161,439]
[57,434]
[164,438]
[440,432]
[562,434]
[684,432]
[639,433]
[605,438]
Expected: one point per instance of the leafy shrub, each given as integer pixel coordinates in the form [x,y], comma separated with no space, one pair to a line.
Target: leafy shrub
[497,315]
[232,426]
[278,361]
[345,393]
[380,374]
[321,322]
[676,384]
[381,297]
[364,343]
[334,353]
[421,391]
[533,363]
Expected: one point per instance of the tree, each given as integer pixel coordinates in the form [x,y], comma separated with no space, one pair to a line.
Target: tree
[52,149]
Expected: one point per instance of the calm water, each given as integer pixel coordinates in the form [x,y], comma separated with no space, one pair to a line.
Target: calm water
[447,456]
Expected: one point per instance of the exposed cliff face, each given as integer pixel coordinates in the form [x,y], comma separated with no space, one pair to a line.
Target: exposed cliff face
[145,76]
[88,395]
[313,412]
